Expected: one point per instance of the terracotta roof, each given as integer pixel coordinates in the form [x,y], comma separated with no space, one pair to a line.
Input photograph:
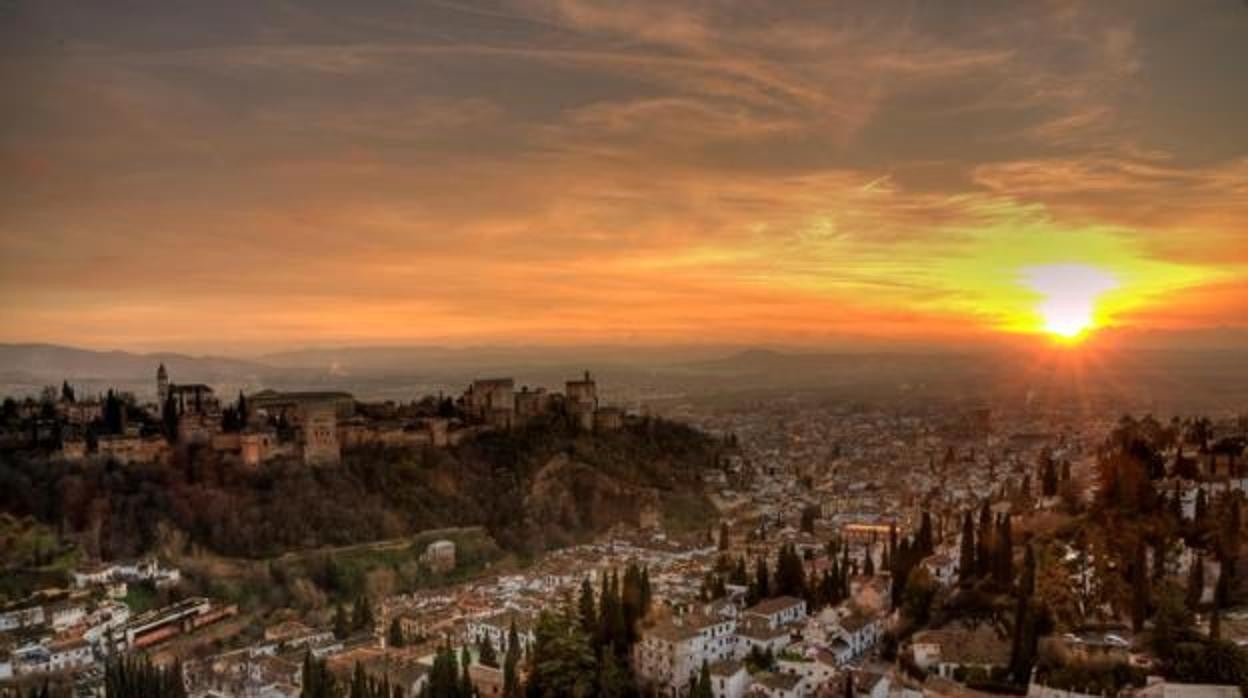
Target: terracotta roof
[767,607]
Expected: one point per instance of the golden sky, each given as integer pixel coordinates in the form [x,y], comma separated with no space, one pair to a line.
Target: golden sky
[268,174]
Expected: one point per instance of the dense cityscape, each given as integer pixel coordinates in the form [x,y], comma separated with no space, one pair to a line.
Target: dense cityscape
[840,549]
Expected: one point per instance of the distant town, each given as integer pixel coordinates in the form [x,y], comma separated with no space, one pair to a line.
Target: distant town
[849,550]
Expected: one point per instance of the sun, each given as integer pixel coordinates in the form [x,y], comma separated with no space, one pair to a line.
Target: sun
[1069,294]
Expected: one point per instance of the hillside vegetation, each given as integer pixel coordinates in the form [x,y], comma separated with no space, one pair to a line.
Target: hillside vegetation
[531,488]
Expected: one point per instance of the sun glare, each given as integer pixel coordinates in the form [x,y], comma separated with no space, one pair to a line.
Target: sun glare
[1069,295]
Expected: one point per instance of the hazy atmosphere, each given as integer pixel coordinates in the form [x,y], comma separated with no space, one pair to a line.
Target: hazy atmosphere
[246,177]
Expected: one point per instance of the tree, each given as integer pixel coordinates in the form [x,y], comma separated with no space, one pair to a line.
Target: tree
[809,514]
[1172,623]
[966,551]
[67,392]
[588,612]
[614,680]
[919,594]
[924,540]
[244,414]
[465,678]
[790,573]
[169,419]
[1048,477]
[486,654]
[563,663]
[983,550]
[703,688]
[342,626]
[762,580]
[362,615]
[1023,649]
[395,636]
[511,661]
[129,676]
[724,542]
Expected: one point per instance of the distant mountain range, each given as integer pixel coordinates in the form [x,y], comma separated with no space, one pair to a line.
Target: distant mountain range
[1211,364]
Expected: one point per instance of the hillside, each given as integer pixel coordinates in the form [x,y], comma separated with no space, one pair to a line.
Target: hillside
[532,488]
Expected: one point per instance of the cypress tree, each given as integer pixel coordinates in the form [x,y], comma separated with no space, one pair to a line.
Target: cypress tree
[588,611]
[342,627]
[486,653]
[966,551]
[983,550]
[395,635]
[703,687]
[762,578]
[924,541]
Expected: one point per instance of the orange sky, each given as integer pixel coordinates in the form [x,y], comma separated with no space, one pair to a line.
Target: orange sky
[257,175]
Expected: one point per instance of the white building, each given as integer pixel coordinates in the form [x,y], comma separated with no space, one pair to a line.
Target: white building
[776,612]
[69,655]
[729,679]
[780,685]
[670,653]
[496,628]
[65,615]
[21,618]
[943,567]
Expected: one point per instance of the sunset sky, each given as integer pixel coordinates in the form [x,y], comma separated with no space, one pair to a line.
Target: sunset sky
[246,175]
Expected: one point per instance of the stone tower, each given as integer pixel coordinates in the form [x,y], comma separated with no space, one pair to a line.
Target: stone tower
[162,385]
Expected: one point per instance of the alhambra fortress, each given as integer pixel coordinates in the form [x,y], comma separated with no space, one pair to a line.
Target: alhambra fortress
[311,426]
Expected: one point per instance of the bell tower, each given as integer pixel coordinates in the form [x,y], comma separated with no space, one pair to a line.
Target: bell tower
[162,385]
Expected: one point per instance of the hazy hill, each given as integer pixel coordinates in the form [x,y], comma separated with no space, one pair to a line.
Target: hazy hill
[26,368]
[1209,371]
